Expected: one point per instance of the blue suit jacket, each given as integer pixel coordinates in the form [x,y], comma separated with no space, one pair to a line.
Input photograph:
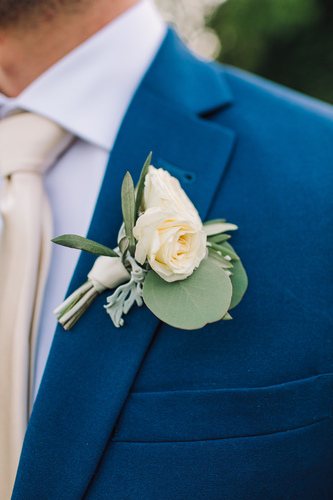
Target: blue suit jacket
[239,409]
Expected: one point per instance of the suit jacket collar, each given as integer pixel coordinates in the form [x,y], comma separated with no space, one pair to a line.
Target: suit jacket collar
[187,81]
[91,368]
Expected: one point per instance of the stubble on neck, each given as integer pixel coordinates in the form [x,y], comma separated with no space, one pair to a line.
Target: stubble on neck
[28,14]
[50,29]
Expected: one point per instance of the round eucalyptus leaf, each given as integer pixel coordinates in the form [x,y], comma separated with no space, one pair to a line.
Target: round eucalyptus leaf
[203,297]
[239,283]
[238,278]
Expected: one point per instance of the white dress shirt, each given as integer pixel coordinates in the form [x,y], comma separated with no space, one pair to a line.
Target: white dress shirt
[87,92]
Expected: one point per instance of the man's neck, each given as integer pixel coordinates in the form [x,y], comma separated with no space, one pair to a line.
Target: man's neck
[26,53]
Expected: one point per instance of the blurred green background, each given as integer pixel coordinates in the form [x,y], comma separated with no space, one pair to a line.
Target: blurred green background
[288,41]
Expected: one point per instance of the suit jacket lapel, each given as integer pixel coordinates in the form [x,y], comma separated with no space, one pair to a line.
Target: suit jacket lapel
[91,368]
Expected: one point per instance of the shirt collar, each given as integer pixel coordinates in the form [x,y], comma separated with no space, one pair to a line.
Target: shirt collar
[89,90]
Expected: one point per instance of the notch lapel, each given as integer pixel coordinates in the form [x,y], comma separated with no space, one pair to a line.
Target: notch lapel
[91,369]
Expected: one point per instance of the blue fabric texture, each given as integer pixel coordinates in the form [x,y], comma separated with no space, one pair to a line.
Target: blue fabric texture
[239,409]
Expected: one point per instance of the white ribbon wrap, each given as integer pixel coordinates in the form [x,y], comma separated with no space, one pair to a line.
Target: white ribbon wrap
[108,272]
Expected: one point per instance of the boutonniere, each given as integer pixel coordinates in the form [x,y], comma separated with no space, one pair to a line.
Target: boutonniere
[185,271]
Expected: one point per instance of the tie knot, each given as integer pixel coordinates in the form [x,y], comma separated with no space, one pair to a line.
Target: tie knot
[30,143]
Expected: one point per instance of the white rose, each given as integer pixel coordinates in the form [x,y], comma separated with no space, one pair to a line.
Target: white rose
[169,233]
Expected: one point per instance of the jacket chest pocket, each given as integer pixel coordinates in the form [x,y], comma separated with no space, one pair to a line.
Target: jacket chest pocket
[231,444]
[225,413]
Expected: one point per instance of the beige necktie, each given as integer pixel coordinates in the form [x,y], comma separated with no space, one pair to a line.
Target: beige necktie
[29,144]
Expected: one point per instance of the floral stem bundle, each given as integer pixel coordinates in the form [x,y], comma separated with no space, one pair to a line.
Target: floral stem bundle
[185,271]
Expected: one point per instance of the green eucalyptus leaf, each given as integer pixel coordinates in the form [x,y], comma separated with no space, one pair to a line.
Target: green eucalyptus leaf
[128,208]
[219,259]
[204,297]
[141,184]
[226,317]
[81,243]
[239,283]
[238,279]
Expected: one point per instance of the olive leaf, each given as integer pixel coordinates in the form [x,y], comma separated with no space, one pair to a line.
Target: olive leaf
[128,209]
[81,243]
[140,186]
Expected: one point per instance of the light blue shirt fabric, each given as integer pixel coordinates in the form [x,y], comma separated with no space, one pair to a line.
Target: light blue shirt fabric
[88,93]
